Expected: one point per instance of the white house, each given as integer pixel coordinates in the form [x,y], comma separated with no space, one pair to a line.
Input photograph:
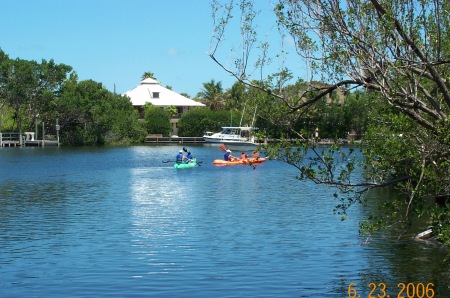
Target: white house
[151,91]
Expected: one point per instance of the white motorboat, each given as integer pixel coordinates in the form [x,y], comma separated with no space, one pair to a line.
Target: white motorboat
[237,137]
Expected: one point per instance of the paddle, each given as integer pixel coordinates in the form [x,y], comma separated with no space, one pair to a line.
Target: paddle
[256,153]
[225,149]
[166,161]
[198,162]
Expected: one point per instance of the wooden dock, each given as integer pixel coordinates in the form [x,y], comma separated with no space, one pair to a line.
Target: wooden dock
[12,139]
[10,144]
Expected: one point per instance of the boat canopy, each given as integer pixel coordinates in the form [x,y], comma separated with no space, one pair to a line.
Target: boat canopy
[233,130]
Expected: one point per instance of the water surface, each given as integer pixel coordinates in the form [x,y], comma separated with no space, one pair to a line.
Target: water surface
[119,222]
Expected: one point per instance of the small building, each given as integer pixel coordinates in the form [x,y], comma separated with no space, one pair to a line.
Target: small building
[150,91]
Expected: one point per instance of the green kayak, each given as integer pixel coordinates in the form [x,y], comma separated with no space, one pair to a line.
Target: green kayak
[188,165]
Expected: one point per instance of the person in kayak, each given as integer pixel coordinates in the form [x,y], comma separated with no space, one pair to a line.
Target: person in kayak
[189,157]
[243,156]
[180,157]
[228,157]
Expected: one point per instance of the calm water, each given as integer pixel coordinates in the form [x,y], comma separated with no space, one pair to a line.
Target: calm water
[119,222]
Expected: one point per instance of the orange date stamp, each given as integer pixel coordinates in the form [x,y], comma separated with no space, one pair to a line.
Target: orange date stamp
[404,290]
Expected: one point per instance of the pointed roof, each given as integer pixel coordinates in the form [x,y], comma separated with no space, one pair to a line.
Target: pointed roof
[149,81]
[151,91]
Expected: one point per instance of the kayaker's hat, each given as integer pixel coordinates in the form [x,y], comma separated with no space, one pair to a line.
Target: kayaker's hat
[181,151]
[229,151]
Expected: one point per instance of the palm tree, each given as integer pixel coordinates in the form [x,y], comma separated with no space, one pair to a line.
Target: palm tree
[212,95]
[147,75]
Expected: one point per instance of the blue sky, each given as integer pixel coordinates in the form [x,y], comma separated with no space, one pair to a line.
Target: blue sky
[115,41]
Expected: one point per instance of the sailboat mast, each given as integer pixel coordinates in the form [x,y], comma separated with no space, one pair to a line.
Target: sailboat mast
[242,116]
[254,115]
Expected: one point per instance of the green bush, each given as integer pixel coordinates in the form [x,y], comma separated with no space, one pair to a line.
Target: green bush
[157,120]
[199,120]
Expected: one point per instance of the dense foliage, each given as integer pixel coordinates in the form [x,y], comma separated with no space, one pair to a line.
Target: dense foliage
[33,93]
[27,88]
[157,120]
[331,117]
[91,115]
[198,121]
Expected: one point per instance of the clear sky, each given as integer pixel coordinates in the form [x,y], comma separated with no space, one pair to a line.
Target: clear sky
[115,41]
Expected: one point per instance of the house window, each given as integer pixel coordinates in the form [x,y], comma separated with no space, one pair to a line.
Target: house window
[155,94]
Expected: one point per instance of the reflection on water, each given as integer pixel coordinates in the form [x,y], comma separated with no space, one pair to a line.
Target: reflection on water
[118,221]
[156,218]
[403,258]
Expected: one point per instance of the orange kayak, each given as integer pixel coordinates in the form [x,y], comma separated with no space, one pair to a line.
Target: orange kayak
[248,161]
